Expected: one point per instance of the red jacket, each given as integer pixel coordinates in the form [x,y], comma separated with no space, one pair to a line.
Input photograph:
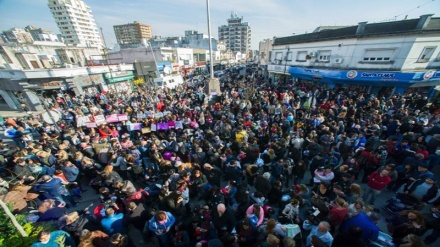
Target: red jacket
[337,215]
[377,182]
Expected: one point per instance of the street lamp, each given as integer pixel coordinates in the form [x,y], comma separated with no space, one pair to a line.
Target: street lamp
[211,64]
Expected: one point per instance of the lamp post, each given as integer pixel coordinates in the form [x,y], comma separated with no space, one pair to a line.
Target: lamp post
[285,65]
[211,66]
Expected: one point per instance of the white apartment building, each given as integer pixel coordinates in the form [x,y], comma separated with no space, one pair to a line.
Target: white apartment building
[386,58]
[236,35]
[76,22]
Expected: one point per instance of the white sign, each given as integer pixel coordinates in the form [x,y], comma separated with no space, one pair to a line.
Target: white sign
[100,119]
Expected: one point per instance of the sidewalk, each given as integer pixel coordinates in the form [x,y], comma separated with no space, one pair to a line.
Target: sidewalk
[17,113]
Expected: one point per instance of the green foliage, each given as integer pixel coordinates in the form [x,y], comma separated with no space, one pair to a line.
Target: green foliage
[9,235]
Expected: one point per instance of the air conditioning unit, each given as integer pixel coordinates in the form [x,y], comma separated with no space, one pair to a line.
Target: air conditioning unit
[339,60]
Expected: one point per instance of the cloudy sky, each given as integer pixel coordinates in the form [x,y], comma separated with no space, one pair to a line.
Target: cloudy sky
[267,18]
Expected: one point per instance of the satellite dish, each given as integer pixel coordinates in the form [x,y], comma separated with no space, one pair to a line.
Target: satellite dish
[53,115]
[167,70]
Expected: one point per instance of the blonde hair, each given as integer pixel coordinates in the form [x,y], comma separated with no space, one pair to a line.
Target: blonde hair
[107,169]
[271,153]
[46,205]
[272,240]
[79,156]
[341,202]
[117,239]
[355,189]
[72,217]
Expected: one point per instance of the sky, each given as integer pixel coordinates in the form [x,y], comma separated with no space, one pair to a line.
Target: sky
[267,18]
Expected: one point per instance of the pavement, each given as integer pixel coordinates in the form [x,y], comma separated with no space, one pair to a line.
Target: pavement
[15,113]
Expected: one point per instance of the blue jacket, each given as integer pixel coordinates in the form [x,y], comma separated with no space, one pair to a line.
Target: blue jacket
[70,172]
[159,229]
[113,224]
[370,231]
[54,187]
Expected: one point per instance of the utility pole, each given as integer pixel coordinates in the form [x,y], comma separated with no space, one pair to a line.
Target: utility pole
[285,65]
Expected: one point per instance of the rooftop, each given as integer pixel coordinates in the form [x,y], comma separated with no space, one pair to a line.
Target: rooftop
[422,25]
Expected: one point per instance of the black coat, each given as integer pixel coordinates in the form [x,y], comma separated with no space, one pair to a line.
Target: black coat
[262,185]
[225,223]
[137,217]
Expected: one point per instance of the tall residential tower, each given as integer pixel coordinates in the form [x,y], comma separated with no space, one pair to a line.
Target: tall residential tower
[132,33]
[236,35]
[76,22]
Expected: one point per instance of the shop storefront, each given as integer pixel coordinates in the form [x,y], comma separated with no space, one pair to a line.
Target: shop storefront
[89,84]
[278,73]
[119,82]
[382,83]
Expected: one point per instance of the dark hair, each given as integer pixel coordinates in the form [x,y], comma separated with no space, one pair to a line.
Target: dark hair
[42,233]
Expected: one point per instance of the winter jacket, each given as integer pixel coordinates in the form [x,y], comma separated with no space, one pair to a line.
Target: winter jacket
[160,229]
[430,194]
[377,182]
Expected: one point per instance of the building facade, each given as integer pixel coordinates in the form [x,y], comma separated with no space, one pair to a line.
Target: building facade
[196,40]
[132,32]
[40,34]
[384,58]
[236,35]
[17,35]
[75,20]
[28,71]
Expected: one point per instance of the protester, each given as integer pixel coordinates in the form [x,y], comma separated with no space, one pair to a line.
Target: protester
[172,149]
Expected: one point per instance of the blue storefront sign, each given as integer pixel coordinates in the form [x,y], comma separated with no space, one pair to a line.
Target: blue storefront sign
[377,78]
[162,65]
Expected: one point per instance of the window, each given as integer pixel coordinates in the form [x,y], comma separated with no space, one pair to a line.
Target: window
[323,56]
[378,55]
[278,57]
[301,56]
[426,54]
[438,57]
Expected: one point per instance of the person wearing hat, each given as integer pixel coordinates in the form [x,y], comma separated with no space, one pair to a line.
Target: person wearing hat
[424,189]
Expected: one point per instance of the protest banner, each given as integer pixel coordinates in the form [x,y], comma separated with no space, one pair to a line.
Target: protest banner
[122,117]
[113,118]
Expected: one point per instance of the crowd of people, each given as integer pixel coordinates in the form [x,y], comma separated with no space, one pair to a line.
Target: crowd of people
[261,164]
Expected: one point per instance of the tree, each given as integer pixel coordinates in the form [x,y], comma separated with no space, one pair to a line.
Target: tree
[11,237]
[138,82]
